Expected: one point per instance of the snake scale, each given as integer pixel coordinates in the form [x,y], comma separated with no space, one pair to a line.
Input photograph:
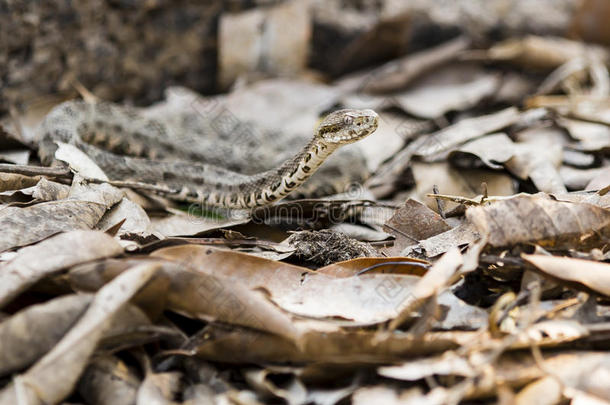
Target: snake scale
[130,147]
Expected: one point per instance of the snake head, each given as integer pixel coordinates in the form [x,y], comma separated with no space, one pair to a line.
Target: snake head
[347,126]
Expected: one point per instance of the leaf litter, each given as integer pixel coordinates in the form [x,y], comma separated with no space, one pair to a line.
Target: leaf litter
[464,258]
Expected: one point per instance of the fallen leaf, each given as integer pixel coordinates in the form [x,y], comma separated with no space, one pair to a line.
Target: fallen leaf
[461,235]
[53,377]
[492,150]
[33,331]
[430,285]
[136,219]
[538,155]
[536,52]
[32,263]
[412,223]
[542,220]
[455,87]
[199,294]
[462,131]
[362,300]
[590,136]
[192,223]
[365,346]
[79,161]
[593,275]
[398,73]
[390,265]
[82,210]
[13,181]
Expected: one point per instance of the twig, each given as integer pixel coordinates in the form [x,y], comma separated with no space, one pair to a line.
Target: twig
[55,172]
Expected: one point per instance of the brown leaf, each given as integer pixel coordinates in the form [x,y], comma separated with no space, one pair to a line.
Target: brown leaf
[538,156]
[462,131]
[53,377]
[462,182]
[454,87]
[540,219]
[13,181]
[430,284]
[372,265]
[184,224]
[447,364]
[32,263]
[547,387]
[43,190]
[199,293]
[412,223]
[33,331]
[594,276]
[440,142]
[492,150]
[591,136]
[82,210]
[363,299]
[545,53]
[341,346]
[400,72]
[461,235]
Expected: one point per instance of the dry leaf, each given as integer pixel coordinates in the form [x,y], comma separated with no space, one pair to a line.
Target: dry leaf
[187,224]
[158,388]
[430,285]
[542,52]
[462,131]
[455,87]
[463,182]
[199,294]
[540,219]
[461,235]
[590,136]
[292,390]
[412,223]
[136,219]
[398,73]
[13,181]
[59,252]
[363,299]
[391,265]
[53,377]
[492,150]
[33,331]
[593,275]
[341,346]
[538,155]
[82,210]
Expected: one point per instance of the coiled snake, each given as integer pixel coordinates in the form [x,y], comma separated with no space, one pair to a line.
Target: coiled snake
[130,147]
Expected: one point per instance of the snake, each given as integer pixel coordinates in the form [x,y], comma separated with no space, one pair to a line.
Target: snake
[130,147]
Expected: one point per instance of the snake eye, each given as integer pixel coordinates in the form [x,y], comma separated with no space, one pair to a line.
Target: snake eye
[347,120]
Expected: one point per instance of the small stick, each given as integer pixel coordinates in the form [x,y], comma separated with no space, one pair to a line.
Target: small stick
[439,203]
[55,172]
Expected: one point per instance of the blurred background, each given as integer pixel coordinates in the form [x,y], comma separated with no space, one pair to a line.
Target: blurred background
[131,50]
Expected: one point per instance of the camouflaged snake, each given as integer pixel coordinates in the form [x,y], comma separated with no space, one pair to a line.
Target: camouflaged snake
[130,147]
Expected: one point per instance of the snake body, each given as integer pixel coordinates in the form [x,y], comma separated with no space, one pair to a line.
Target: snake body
[130,147]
